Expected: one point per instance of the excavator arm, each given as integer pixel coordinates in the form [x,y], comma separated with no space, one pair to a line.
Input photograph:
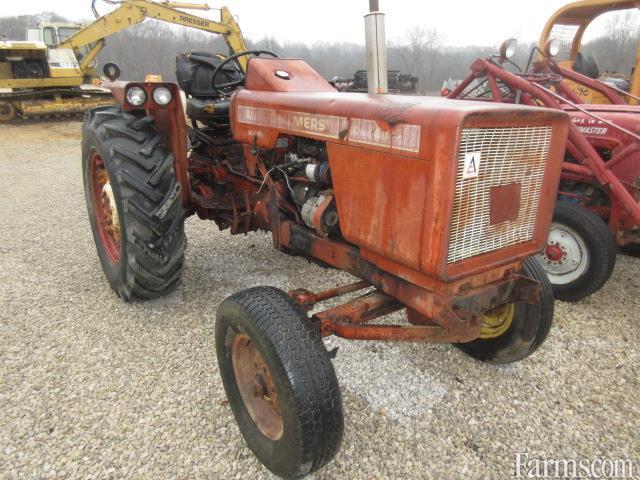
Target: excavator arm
[132,12]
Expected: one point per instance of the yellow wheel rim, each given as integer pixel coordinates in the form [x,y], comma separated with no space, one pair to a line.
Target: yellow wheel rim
[497,321]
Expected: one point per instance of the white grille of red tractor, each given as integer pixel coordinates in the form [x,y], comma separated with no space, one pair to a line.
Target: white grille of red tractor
[513,158]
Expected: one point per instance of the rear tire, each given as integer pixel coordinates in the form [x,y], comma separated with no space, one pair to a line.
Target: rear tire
[580,255]
[528,326]
[133,201]
[279,381]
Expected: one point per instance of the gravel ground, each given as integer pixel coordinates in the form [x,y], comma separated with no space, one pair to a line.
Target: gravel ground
[93,387]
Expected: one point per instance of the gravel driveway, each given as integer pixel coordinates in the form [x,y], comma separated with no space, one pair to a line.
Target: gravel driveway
[93,387]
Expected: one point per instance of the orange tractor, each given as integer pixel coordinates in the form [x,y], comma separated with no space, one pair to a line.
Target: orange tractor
[436,206]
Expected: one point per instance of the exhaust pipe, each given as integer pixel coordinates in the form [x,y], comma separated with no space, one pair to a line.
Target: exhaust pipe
[376,47]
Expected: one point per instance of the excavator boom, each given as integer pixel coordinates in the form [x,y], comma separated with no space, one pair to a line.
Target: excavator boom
[132,12]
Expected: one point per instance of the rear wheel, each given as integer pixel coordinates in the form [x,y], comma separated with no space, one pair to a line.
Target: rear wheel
[514,331]
[580,253]
[133,201]
[279,381]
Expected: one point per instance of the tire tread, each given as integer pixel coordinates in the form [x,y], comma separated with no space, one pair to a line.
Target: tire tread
[304,359]
[145,173]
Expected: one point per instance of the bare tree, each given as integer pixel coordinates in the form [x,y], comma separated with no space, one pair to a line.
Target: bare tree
[419,54]
[615,51]
[15,28]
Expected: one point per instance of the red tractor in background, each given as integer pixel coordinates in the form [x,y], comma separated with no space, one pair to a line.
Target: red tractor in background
[599,197]
[436,206]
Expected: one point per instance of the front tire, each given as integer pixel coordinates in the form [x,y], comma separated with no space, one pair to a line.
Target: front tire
[580,254]
[279,381]
[514,331]
[133,201]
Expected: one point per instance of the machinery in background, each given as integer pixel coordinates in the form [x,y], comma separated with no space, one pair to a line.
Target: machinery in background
[568,25]
[54,70]
[398,83]
[37,80]
[599,197]
[52,33]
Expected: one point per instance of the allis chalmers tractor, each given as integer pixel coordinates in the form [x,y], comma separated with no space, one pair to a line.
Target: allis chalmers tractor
[601,172]
[436,206]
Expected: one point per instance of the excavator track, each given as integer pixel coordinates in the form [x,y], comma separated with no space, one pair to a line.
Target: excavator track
[51,103]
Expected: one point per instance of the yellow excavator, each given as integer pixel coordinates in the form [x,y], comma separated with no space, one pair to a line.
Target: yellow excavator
[53,72]
[568,25]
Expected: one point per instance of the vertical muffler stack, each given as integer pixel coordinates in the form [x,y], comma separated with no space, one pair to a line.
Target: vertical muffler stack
[376,49]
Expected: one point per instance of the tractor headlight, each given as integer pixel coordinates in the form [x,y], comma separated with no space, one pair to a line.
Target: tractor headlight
[552,48]
[136,96]
[162,96]
[508,49]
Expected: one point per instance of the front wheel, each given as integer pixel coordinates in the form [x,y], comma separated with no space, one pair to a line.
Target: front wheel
[514,331]
[279,381]
[580,253]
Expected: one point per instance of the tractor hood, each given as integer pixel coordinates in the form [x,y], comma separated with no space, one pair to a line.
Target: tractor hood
[442,187]
[286,96]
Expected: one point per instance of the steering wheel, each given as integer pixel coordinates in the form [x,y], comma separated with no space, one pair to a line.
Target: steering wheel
[220,87]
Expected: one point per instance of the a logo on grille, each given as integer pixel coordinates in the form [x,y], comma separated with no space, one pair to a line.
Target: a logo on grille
[471,165]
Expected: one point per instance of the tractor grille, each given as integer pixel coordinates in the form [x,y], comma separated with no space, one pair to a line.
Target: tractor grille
[508,155]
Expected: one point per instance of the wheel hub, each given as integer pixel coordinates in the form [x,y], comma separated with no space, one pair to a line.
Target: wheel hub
[554,252]
[256,386]
[497,321]
[566,257]
[110,206]
[105,208]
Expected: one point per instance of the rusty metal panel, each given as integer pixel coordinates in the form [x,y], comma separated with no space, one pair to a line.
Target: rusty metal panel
[504,203]
[381,201]
[284,75]
[489,158]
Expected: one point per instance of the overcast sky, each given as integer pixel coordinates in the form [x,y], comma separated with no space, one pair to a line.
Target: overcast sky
[485,22]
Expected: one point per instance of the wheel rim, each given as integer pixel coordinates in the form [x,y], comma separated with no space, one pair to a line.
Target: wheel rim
[104,208]
[497,321]
[256,386]
[566,257]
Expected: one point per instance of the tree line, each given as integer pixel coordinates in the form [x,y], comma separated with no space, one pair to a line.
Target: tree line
[152,46]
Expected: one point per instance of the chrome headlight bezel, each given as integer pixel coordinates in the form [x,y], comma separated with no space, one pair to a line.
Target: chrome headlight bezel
[136,96]
[162,96]
[509,48]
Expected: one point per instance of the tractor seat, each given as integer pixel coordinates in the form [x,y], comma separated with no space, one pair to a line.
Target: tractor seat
[207,109]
